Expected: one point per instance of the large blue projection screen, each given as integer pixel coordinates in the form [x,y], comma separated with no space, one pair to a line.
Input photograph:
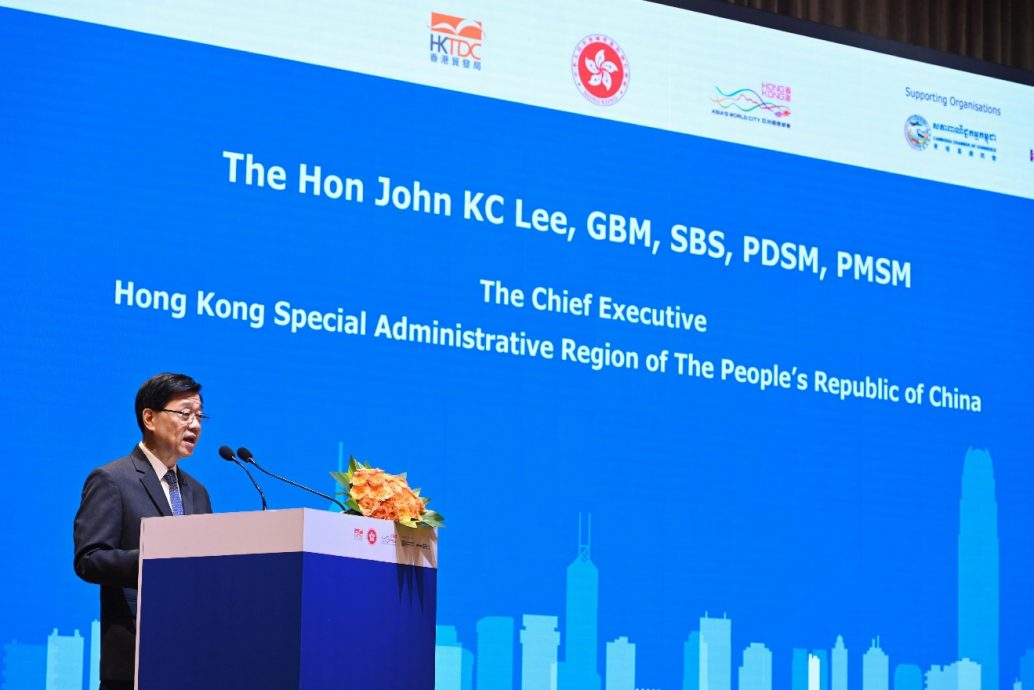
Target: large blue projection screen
[661,464]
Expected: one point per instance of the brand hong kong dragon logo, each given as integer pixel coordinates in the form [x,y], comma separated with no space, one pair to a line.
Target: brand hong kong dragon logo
[371,536]
[600,69]
[917,132]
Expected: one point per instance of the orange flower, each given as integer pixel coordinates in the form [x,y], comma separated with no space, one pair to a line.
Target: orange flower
[385,496]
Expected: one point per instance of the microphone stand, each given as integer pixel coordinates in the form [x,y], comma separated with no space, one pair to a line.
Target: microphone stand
[237,462]
[295,484]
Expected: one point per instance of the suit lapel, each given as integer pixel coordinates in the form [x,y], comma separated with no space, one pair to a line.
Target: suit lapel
[151,482]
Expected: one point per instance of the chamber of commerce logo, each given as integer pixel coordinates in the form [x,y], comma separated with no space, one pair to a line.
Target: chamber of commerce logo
[456,41]
[600,69]
[769,106]
[957,139]
[917,132]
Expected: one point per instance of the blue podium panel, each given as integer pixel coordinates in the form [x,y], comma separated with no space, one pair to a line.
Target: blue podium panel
[222,622]
[382,633]
[292,599]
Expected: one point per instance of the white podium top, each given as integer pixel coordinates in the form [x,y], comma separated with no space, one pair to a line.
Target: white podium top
[287,531]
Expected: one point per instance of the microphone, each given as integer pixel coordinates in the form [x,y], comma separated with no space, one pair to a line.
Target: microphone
[245,455]
[226,453]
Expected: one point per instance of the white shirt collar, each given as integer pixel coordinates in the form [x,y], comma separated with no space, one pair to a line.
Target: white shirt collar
[159,467]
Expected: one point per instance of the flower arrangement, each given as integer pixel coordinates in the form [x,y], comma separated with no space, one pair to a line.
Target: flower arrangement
[372,492]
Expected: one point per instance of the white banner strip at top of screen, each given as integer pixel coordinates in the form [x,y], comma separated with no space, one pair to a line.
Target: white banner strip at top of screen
[643,64]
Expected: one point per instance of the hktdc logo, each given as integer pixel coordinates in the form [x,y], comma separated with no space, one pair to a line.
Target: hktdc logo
[456,41]
[600,69]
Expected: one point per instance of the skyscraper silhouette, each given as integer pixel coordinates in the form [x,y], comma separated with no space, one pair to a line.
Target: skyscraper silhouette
[716,648]
[838,668]
[814,672]
[692,672]
[620,665]
[908,677]
[962,675]
[579,670]
[756,671]
[95,656]
[799,670]
[64,661]
[820,670]
[875,668]
[539,642]
[1027,670]
[453,665]
[978,567]
[494,668]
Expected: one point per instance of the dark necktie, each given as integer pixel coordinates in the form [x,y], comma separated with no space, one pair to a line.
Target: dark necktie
[175,498]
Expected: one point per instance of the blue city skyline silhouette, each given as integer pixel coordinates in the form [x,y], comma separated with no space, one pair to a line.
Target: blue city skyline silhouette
[528,651]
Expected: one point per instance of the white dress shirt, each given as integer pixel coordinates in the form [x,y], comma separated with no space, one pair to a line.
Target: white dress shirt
[160,469]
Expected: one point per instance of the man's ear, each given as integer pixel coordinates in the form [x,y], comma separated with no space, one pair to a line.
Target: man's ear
[148,418]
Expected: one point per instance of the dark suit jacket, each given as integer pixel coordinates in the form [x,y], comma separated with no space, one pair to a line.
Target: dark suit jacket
[107,546]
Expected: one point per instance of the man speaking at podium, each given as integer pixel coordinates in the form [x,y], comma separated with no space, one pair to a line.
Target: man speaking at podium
[145,483]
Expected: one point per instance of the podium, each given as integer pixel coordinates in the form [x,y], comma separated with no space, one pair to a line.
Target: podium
[285,599]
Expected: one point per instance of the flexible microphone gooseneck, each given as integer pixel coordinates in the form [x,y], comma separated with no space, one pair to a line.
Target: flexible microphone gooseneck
[226,453]
[245,455]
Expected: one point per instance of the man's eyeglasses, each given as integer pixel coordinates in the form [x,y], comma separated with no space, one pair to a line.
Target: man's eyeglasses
[186,415]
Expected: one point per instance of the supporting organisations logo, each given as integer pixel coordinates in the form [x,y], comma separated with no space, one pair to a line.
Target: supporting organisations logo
[957,139]
[371,536]
[456,41]
[600,69]
[917,132]
[769,106]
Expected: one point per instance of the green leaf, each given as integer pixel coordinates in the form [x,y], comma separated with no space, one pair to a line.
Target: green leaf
[431,521]
[403,475]
[425,499]
[353,505]
[433,518]
[343,478]
[353,464]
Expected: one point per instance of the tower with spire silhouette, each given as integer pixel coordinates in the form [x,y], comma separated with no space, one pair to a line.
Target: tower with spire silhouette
[579,670]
